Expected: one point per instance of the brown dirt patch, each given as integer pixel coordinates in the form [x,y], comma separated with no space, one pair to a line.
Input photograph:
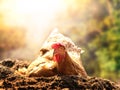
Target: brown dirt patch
[9,80]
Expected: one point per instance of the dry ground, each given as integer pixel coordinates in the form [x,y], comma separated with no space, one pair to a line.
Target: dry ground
[11,81]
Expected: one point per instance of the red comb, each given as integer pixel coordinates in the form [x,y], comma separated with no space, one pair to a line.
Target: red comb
[56,45]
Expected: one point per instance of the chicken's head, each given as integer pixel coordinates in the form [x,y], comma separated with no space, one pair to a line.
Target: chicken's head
[59,52]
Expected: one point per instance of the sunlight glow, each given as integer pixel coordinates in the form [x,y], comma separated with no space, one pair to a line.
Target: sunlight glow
[21,12]
[34,15]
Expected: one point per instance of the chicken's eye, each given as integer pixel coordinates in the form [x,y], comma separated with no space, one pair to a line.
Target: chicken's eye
[60,48]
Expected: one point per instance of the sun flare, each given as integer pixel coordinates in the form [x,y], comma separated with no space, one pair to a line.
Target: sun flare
[22,12]
[33,15]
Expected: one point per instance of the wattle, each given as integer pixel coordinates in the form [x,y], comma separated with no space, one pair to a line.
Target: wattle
[58,57]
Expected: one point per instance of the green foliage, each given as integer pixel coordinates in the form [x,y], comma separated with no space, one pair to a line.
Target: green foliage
[100,38]
[108,43]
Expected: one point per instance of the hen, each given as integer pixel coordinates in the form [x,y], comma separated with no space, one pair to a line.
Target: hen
[58,55]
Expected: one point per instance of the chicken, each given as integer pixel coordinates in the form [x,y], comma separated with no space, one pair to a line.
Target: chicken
[65,65]
[58,55]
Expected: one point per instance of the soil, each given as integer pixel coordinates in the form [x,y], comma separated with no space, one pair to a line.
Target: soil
[13,81]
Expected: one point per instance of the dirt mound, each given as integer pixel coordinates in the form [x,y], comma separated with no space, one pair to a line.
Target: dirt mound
[9,80]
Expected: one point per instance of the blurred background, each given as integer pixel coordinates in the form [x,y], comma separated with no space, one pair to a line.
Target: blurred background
[93,25]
